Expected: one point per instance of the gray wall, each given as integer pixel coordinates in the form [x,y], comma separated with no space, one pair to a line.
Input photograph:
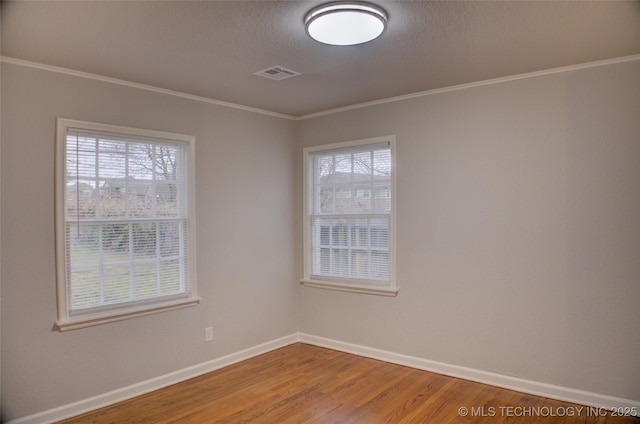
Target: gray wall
[245,246]
[518,237]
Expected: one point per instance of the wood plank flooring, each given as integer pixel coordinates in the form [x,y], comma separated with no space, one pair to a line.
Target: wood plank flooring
[301,383]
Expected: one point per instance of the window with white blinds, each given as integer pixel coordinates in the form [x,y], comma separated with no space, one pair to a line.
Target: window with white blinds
[124,224]
[349,215]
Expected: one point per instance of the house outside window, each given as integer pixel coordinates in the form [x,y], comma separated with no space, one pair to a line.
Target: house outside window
[349,216]
[125,236]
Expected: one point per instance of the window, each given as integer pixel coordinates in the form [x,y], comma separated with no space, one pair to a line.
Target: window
[124,222]
[349,225]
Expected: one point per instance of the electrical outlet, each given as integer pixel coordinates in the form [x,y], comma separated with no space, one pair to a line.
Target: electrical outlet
[208,334]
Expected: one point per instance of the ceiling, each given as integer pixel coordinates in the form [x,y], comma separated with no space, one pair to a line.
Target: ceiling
[213,48]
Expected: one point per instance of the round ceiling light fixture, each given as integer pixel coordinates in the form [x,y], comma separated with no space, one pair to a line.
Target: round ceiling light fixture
[345,23]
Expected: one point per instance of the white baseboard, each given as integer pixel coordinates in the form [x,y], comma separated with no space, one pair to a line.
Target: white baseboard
[150,385]
[551,391]
[512,383]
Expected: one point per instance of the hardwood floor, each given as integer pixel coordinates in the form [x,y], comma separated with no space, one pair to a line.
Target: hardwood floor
[301,383]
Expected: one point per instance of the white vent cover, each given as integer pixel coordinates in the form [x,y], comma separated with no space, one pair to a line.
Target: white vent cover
[277,73]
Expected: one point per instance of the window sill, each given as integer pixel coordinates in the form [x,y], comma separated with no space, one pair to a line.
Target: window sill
[88,320]
[353,288]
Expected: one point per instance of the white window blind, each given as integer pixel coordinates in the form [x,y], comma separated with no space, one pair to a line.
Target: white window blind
[349,213]
[126,235]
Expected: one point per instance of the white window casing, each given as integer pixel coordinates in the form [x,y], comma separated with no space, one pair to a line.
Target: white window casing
[125,222]
[349,216]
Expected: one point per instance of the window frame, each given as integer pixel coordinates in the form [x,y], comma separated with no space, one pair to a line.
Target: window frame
[68,320]
[349,285]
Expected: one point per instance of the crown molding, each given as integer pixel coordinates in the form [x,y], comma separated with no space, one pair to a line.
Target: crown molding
[472,85]
[66,71]
[20,62]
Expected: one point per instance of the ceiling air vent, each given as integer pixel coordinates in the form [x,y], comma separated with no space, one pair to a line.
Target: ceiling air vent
[277,73]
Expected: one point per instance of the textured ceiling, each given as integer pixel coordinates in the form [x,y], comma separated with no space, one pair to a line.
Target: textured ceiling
[213,48]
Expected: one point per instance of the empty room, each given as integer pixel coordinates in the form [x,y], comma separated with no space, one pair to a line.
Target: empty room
[320,212]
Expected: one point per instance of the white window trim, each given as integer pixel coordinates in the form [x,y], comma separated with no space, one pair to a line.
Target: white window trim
[65,320]
[389,289]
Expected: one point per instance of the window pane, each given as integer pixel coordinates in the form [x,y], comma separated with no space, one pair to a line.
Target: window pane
[360,233]
[340,263]
[362,199]
[140,197]
[362,163]
[112,159]
[166,200]
[382,163]
[145,282]
[144,239]
[166,158]
[342,163]
[339,232]
[343,192]
[380,233]
[379,267]
[324,164]
[83,244]
[81,156]
[141,161]
[325,201]
[80,200]
[169,239]
[85,289]
[170,279]
[382,198]
[324,262]
[323,227]
[360,264]
[113,195]
[117,283]
[115,242]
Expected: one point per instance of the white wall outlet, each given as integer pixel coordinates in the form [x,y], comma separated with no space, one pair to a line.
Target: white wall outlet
[208,334]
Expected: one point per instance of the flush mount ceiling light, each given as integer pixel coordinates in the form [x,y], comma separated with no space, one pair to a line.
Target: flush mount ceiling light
[345,23]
